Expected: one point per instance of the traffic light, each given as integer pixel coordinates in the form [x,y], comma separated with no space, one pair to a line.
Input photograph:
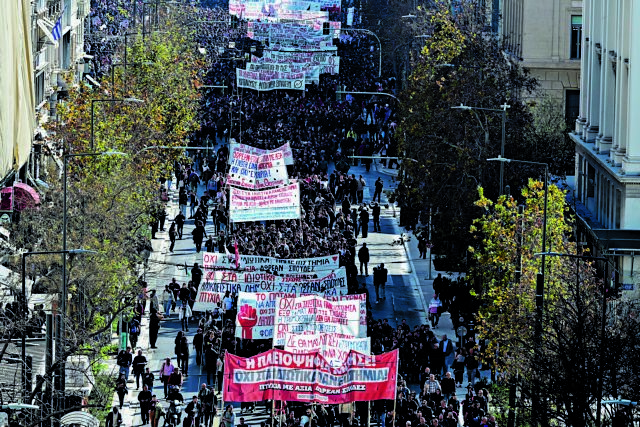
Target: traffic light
[325,28]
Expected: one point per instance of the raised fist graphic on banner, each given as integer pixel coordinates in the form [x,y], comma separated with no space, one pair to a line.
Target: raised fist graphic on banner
[247,318]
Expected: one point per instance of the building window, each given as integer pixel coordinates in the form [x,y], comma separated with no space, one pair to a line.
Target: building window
[576,37]
[571,106]
[39,87]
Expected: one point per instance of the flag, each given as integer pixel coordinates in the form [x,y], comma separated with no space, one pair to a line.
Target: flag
[235,247]
[56,31]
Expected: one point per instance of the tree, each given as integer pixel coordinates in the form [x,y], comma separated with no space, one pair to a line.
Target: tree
[577,361]
[111,199]
[459,64]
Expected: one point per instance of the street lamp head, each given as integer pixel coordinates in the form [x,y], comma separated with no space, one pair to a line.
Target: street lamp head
[499,159]
[422,36]
[134,100]
[461,107]
[409,16]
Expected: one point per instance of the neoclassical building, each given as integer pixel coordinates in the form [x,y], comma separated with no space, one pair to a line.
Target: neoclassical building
[607,134]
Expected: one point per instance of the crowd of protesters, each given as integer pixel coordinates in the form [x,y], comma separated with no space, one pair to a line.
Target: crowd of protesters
[321,127]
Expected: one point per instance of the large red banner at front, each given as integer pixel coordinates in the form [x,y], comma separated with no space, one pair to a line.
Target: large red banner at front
[280,375]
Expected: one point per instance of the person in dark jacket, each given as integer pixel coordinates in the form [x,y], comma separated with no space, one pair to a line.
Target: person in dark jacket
[363,257]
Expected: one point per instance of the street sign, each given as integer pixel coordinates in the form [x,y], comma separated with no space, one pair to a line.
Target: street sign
[461,331]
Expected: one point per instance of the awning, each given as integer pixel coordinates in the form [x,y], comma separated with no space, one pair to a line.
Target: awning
[79,418]
[18,197]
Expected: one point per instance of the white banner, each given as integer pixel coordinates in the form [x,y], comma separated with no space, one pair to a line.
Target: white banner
[212,261]
[333,347]
[263,80]
[257,171]
[210,293]
[265,205]
[316,314]
[283,152]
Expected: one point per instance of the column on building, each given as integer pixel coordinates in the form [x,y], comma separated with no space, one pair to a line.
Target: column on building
[607,89]
[618,147]
[585,56]
[595,39]
[631,160]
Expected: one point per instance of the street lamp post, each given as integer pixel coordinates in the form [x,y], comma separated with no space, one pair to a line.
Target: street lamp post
[94,101]
[541,276]
[502,110]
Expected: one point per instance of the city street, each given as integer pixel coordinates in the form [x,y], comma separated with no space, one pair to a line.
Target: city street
[407,291]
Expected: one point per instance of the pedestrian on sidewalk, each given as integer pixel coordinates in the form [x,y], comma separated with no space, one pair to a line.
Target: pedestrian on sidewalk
[375,213]
[183,199]
[154,327]
[144,398]
[121,389]
[173,234]
[167,300]
[198,342]
[114,418]
[166,370]
[363,257]
[134,332]
[139,363]
[179,220]
[364,222]
[148,378]
[183,360]
[379,185]
[380,280]
[124,360]
[360,189]
[434,310]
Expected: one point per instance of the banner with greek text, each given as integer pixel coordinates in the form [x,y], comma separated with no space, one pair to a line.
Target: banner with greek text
[266,80]
[256,312]
[312,313]
[209,293]
[265,205]
[257,263]
[255,171]
[333,347]
[281,153]
[280,375]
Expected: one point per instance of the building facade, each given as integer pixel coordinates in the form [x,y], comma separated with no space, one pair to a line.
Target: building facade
[546,35]
[607,133]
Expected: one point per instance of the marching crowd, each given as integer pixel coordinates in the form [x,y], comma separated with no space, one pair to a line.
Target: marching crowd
[320,129]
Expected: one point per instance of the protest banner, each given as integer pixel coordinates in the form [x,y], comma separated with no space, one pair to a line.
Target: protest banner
[265,205]
[209,292]
[256,172]
[355,297]
[256,311]
[281,153]
[280,375]
[253,263]
[264,81]
[312,313]
[333,347]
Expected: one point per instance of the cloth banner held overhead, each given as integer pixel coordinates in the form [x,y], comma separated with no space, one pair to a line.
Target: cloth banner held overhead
[210,293]
[283,152]
[266,80]
[312,313]
[214,261]
[280,375]
[256,312]
[266,205]
[333,347]
[255,171]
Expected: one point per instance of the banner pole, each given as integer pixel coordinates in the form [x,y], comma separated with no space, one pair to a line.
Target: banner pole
[273,412]
[395,393]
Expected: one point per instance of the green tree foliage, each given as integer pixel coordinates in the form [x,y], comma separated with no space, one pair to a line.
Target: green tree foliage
[575,352]
[110,198]
[458,64]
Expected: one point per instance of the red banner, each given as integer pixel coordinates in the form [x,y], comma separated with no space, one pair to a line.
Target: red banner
[280,375]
